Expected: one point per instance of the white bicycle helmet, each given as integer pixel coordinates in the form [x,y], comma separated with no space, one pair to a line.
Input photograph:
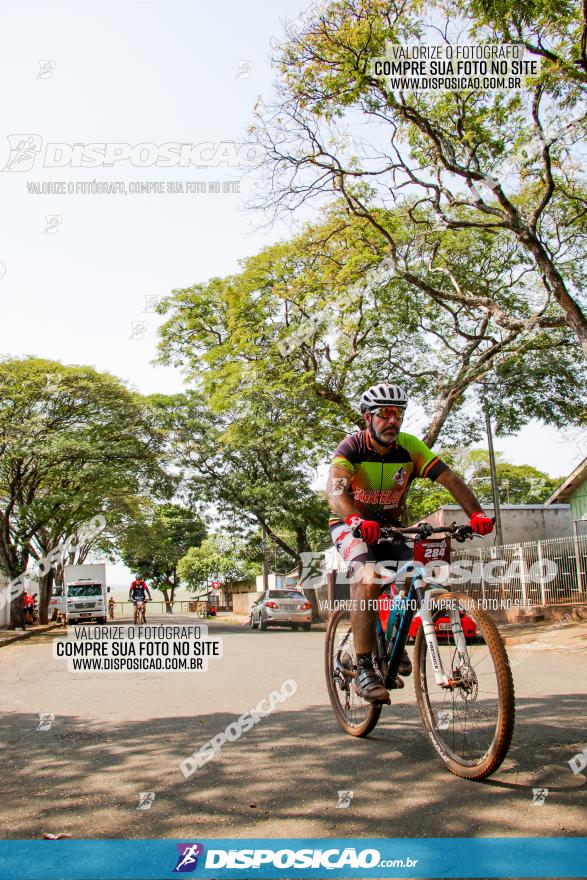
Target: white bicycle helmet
[383,394]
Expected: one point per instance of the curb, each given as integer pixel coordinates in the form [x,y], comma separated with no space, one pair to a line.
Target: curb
[28,634]
[520,640]
[537,632]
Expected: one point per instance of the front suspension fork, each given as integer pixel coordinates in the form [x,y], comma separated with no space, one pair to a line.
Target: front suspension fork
[442,679]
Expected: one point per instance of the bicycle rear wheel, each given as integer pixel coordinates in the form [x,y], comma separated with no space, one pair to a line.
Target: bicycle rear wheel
[469,724]
[355,715]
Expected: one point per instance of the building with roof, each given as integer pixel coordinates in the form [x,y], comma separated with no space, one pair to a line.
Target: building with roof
[574,493]
[520,522]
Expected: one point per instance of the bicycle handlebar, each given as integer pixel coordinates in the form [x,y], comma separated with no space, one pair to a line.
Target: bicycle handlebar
[425,530]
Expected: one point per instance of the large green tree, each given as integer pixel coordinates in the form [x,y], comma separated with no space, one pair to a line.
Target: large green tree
[74,444]
[249,467]
[505,163]
[219,557]
[517,483]
[311,322]
[153,544]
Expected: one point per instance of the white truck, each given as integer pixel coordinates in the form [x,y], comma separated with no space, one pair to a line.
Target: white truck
[57,602]
[86,593]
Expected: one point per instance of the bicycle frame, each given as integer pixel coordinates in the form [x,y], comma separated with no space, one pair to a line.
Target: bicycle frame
[392,651]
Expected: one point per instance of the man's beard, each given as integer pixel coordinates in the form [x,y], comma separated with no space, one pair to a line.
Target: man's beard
[380,439]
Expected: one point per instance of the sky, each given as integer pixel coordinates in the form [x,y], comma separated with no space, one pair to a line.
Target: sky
[79,271]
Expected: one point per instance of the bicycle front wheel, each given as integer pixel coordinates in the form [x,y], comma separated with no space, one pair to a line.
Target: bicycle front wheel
[355,715]
[471,722]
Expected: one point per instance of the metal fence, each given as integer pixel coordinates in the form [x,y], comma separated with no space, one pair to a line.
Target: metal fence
[125,609]
[550,572]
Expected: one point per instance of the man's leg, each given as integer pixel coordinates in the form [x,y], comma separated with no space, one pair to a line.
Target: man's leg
[398,553]
[364,590]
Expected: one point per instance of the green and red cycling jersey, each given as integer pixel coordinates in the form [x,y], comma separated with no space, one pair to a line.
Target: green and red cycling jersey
[378,484]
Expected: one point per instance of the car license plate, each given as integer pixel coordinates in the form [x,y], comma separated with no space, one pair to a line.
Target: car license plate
[444,627]
[85,613]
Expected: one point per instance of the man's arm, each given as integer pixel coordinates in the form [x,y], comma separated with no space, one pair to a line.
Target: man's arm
[460,491]
[338,493]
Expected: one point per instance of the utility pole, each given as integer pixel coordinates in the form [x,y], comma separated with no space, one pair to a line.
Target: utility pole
[265,560]
[492,468]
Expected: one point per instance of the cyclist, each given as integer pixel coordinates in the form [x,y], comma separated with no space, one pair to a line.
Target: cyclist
[137,593]
[368,481]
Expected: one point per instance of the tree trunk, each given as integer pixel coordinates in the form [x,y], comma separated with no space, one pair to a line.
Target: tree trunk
[173,584]
[45,589]
[279,541]
[575,317]
[17,610]
[435,426]
[13,565]
[303,546]
[15,588]
[165,591]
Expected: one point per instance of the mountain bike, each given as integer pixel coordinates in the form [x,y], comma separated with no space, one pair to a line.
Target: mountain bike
[140,605]
[463,683]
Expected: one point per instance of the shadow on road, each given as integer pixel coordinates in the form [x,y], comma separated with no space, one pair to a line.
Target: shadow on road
[282,778]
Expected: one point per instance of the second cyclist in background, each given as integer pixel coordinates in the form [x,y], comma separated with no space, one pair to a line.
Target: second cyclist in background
[138,593]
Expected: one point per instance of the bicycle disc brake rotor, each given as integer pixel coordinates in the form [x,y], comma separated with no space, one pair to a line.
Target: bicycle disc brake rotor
[467,684]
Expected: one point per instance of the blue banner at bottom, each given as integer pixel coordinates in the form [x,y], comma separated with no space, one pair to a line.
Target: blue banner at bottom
[305,858]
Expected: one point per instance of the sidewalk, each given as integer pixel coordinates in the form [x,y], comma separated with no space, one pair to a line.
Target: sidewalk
[8,636]
[553,631]
[243,620]
[512,633]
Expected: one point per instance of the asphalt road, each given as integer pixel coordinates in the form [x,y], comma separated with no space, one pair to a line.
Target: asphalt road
[115,735]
